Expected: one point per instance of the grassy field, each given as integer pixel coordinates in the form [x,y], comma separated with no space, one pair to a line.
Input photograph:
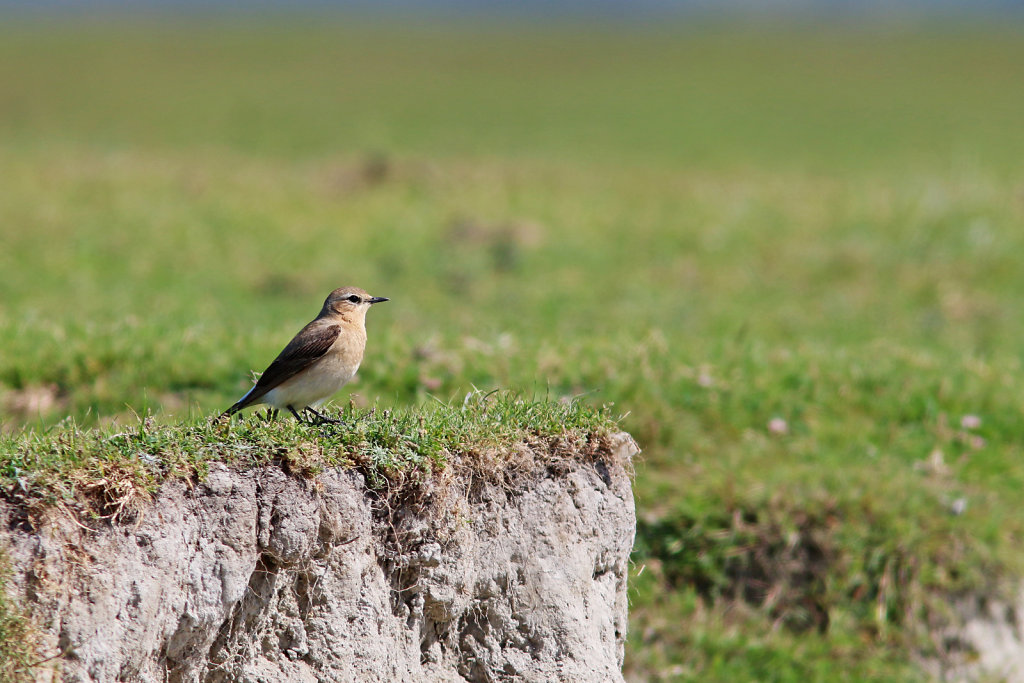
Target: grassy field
[789,256]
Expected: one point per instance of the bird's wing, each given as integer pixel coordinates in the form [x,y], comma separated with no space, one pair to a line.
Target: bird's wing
[306,348]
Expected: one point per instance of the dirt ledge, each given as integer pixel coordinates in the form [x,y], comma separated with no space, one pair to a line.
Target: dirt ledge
[261,576]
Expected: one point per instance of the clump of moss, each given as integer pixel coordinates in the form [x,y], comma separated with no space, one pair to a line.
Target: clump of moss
[18,651]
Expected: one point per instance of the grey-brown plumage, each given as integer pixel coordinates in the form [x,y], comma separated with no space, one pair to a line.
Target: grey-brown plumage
[321,359]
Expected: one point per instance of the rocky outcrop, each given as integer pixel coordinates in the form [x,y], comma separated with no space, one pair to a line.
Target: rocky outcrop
[985,642]
[259,575]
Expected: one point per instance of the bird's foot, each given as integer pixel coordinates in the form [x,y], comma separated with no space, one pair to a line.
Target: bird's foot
[321,419]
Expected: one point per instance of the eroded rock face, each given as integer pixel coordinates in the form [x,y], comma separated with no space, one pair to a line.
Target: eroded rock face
[985,643]
[261,576]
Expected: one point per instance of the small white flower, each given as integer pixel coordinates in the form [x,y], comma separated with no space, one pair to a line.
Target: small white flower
[777,426]
[148,458]
[970,422]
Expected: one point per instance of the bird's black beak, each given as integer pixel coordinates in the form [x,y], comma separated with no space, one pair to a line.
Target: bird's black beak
[378,299]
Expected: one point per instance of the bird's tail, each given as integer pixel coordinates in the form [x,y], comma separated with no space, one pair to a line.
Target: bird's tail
[229,412]
[239,404]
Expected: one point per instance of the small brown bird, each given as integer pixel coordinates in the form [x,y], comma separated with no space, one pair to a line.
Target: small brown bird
[321,358]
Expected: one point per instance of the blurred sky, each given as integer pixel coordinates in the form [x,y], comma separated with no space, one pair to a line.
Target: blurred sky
[603,8]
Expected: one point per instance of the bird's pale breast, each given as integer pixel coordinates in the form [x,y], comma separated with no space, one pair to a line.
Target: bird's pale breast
[323,378]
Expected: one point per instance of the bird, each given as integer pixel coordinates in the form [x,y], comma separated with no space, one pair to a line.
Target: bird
[318,361]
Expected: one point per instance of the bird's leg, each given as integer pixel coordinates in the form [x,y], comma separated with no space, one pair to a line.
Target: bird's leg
[321,418]
[271,414]
[293,412]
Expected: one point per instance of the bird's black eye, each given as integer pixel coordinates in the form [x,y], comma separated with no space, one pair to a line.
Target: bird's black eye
[353,298]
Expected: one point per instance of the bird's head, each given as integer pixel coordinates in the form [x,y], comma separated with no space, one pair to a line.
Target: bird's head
[351,303]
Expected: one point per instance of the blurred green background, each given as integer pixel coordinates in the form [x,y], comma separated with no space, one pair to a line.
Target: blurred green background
[787,251]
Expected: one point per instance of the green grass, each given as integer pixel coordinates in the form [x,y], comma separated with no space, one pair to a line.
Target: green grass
[106,472]
[710,226]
